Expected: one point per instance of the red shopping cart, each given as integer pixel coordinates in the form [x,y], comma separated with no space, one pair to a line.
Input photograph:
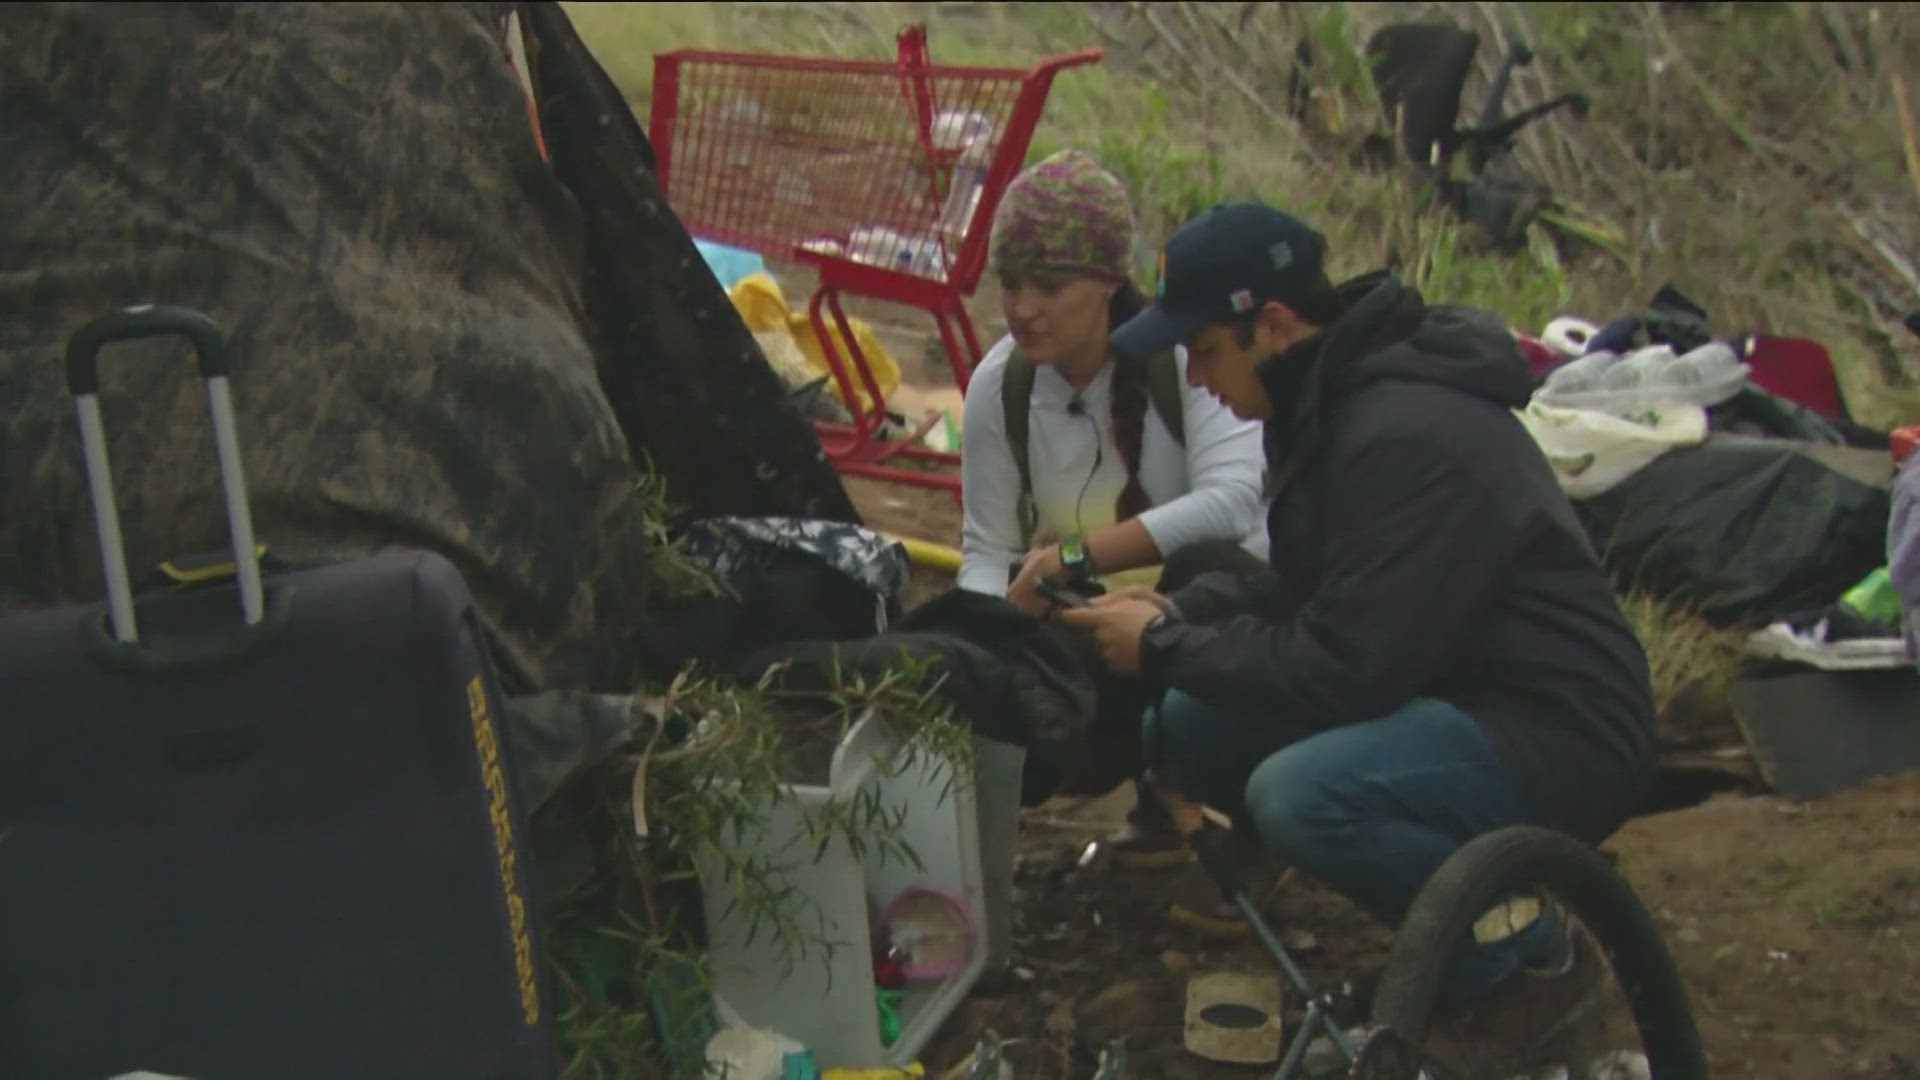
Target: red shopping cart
[883,176]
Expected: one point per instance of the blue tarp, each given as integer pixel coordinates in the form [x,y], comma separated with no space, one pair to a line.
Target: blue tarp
[729,264]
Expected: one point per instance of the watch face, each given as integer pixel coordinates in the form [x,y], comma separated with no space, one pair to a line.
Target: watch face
[1073,551]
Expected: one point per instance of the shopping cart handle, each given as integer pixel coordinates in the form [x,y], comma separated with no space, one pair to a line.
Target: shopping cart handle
[1073,59]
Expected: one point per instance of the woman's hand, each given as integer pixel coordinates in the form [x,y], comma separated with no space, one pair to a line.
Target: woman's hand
[1024,593]
[1142,592]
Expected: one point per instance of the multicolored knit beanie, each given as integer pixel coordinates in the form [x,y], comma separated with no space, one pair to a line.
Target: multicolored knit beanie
[1064,213]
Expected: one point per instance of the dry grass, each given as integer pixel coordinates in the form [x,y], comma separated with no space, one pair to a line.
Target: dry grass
[1775,192]
[1692,662]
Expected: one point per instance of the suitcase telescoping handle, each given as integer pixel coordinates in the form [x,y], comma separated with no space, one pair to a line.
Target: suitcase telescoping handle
[216,362]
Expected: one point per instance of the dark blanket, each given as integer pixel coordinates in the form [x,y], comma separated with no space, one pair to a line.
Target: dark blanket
[1747,531]
[1012,677]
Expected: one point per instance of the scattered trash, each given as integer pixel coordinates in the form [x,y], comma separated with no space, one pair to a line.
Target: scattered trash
[922,256]
[748,1053]
[911,1072]
[1622,1065]
[1860,631]
[1234,1018]
[970,135]
[800,1066]
[1568,337]
[1645,378]
[1113,1061]
[763,307]
[1300,941]
[988,1060]
[932,931]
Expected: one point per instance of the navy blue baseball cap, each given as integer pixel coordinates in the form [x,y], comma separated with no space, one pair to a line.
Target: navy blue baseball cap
[1226,262]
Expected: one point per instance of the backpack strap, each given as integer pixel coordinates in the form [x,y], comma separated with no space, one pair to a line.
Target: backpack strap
[1163,390]
[1016,395]
[1016,392]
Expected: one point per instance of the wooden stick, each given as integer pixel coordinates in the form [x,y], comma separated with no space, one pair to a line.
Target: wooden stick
[1906,128]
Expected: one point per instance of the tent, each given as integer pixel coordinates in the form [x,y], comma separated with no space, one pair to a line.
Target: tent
[460,323]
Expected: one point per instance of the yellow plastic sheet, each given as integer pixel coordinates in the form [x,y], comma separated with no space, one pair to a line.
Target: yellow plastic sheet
[912,1072]
[763,307]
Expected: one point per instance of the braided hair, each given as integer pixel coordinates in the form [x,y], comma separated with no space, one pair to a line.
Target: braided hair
[1130,400]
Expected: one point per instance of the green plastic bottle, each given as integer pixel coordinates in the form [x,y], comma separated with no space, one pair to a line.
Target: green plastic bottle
[1874,599]
[889,1003]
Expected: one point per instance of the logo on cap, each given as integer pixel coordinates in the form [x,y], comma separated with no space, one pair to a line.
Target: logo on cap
[1242,301]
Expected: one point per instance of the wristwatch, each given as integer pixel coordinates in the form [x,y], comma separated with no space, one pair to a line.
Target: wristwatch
[1075,560]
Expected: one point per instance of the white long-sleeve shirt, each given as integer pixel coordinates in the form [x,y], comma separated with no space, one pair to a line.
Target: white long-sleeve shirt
[1208,490]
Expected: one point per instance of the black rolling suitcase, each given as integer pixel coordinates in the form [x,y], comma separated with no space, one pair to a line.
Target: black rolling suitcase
[272,843]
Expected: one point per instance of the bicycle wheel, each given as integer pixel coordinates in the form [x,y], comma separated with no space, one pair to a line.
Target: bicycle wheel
[1582,884]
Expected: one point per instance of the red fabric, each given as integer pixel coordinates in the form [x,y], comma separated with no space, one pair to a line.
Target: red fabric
[1799,370]
[1540,358]
[1905,440]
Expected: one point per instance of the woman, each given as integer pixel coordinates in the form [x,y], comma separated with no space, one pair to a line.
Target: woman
[1114,492]
[1106,468]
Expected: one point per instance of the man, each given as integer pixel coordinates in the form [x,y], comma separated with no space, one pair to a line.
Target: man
[1436,652]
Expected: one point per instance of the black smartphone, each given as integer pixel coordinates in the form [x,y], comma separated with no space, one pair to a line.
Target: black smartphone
[1060,594]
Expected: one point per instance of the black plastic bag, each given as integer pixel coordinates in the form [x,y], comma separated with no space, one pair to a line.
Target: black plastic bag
[1746,531]
[1756,413]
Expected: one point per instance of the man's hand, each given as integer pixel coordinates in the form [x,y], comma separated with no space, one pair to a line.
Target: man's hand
[1040,563]
[1117,622]
[1142,592]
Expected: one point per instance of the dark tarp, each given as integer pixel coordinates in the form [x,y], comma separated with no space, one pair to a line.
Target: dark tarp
[1748,531]
[429,320]
[684,374]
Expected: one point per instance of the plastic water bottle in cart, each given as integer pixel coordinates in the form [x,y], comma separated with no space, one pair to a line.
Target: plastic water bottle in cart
[970,135]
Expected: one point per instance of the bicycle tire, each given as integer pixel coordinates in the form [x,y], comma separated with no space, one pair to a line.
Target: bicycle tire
[1490,868]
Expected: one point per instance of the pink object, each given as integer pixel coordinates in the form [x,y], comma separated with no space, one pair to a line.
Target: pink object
[1539,358]
[910,965]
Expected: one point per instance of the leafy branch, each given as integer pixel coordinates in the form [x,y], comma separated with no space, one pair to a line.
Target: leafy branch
[712,779]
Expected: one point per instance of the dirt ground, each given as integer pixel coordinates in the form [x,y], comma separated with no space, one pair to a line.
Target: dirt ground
[1796,926]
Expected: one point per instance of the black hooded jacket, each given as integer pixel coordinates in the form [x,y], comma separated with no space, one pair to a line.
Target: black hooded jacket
[1421,547]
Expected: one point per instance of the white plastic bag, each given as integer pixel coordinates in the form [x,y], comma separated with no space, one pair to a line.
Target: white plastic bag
[1646,379]
[748,1053]
[1591,451]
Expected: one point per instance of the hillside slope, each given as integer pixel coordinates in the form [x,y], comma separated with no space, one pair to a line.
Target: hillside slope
[1752,154]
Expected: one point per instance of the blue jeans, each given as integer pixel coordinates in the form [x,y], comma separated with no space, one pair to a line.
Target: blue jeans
[1371,809]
